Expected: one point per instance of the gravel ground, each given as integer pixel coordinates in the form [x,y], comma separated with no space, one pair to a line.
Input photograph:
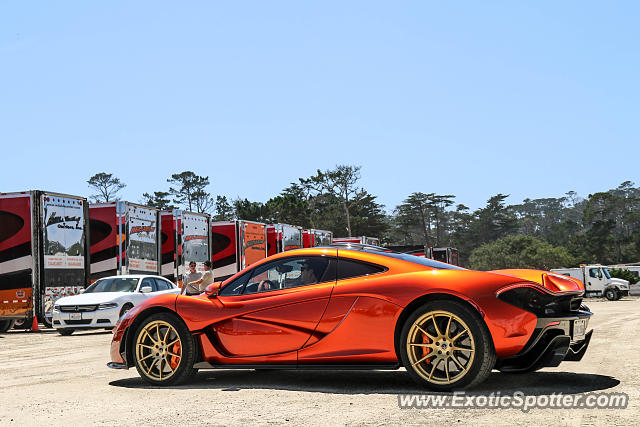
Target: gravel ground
[48,379]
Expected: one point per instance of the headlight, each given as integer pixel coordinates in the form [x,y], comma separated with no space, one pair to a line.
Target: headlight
[107,305]
[56,307]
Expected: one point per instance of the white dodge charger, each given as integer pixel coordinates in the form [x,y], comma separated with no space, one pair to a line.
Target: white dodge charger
[106,300]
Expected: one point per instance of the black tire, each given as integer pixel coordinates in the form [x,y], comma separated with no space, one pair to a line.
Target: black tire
[5,325]
[184,370]
[476,368]
[610,294]
[618,294]
[65,332]
[125,308]
[23,323]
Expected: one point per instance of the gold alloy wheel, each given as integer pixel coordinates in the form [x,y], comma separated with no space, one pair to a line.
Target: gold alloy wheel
[440,347]
[159,350]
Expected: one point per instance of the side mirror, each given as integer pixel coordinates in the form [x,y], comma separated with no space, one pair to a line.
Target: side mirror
[212,290]
[145,289]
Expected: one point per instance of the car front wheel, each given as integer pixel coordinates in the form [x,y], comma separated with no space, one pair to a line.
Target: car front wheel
[610,294]
[164,350]
[445,346]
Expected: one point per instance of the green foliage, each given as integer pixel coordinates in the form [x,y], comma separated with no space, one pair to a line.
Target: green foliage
[223,210]
[519,252]
[106,185]
[622,273]
[159,200]
[189,190]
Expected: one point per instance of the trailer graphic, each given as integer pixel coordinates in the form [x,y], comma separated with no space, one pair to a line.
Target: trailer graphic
[124,239]
[186,237]
[43,253]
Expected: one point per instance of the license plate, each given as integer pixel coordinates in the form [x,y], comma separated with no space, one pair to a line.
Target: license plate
[579,329]
[75,316]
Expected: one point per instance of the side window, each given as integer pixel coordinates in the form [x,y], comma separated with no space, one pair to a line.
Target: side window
[148,281]
[593,272]
[351,268]
[161,285]
[236,286]
[290,273]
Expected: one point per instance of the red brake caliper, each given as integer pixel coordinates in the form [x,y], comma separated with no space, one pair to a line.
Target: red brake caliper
[426,350]
[175,360]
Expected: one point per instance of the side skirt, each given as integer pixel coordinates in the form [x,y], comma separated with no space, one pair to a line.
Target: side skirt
[324,367]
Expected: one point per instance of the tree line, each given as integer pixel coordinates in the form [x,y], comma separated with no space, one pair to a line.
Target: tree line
[544,233]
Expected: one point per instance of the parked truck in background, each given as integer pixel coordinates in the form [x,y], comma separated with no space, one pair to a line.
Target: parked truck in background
[236,245]
[185,237]
[597,281]
[44,253]
[283,237]
[124,239]
[312,238]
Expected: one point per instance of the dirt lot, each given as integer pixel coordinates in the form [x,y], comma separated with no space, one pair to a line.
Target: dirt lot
[53,380]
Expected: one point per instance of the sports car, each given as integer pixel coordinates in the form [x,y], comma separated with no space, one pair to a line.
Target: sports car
[360,307]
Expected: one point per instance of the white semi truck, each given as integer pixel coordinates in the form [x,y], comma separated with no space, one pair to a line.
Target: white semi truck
[597,281]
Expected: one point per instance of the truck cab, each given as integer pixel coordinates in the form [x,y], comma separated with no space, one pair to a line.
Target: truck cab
[597,281]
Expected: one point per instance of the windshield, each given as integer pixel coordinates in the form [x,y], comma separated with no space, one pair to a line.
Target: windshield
[114,284]
[606,273]
[427,262]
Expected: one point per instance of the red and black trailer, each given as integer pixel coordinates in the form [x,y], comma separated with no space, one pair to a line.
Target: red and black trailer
[124,239]
[44,253]
[312,238]
[283,237]
[185,237]
[236,245]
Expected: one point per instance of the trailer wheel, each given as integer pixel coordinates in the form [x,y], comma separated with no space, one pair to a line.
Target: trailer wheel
[5,325]
[610,294]
[23,323]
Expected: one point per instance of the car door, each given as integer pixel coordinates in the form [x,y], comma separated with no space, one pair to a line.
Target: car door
[275,307]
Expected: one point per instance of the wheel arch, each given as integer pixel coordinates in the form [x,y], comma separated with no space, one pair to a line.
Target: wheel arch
[437,296]
[128,338]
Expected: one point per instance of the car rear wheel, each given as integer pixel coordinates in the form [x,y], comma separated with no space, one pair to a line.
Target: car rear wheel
[445,346]
[65,331]
[164,350]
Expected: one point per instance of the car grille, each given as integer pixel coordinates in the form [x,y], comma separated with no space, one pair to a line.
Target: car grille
[77,308]
[78,322]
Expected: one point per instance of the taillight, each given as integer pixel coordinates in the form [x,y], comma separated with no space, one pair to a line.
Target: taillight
[532,299]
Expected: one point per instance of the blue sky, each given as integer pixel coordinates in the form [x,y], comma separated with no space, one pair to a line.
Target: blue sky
[465,98]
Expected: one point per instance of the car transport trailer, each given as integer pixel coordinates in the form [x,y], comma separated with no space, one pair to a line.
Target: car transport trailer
[124,239]
[283,237]
[236,245]
[185,237]
[44,253]
[364,240]
[312,238]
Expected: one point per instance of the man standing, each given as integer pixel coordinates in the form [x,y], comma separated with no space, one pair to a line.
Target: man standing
[206,280]
[189,277]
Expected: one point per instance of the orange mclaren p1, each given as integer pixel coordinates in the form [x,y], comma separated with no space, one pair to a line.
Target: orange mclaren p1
[360,307]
